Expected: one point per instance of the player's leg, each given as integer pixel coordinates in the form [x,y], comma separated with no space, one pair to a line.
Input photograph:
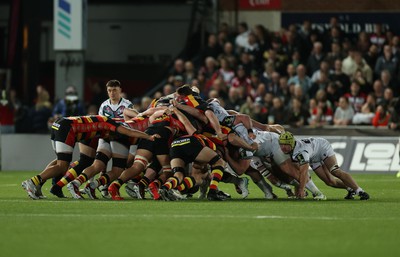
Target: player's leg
[349,182]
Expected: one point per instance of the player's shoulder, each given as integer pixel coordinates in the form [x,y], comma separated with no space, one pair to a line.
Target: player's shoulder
[106,102]
[126,102]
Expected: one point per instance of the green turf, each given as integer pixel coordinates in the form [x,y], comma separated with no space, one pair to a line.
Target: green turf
[248,228]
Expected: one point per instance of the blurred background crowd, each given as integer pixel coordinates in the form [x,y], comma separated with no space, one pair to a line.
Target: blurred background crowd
[297,76]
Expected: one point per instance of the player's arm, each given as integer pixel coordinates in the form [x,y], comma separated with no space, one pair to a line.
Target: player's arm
[190,129]
[130,113]
[303,178]
[151,111]
[239,166]
[136,133]
[191,110]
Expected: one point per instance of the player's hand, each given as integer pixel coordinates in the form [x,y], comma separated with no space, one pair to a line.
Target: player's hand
[252,135]
[300,194]
[174,102]
[222,136]
[254,146]
[153,137]
[172,108]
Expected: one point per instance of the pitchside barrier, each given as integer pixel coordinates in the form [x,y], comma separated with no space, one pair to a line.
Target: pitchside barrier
[366,149]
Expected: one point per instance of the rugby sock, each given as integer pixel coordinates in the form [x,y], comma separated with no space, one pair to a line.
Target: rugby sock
[282,185]
[229,178]
[69,176]
[193,190]
[81,179]
[37,180]
[187,184]
[312,187]
[157,182]
[216,176]
[265,187]
[145,181]
[118,183]
[172,182]
[103,180]
[358,190]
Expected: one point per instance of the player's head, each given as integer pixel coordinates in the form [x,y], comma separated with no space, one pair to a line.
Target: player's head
[185,90]
[113,83]
[286,141]
[114,90]
[163,101]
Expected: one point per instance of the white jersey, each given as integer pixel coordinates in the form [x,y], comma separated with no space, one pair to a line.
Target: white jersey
[218,110]
[222,115]
[268,146]
[114,110]
[312,150]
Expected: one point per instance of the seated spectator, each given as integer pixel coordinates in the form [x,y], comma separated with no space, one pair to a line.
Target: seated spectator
[212,48]
[394,121]
[382,116]
[225,72]
[363,66]
[220,86]
[332,94]
[297,115]
[266,76]
[277,114]
[291,70]
[145,103]
[284,91]
[302,79]
[178,81]
[260,112]
[315,58]
[7,113]
[233,102]
[340,78]
[378,90]
[229,54]
[356,97]
[363,42]
[299,94]
[378,38]
[349,65]
[70,105]
[387,61]
[168,89]
[364,117]
[254,51]
[371,56]
[388,82]
[344,113]
[241,40]
[365,87]
[273,86]
[335,54]
[324,67]
[388,99]
[242,80]
[41,112]
[321,84]
[321,115]
[190,73]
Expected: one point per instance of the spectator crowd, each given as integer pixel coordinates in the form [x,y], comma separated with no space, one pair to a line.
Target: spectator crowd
[297,76]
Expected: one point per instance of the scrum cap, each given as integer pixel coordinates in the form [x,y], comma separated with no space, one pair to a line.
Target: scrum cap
[286,138]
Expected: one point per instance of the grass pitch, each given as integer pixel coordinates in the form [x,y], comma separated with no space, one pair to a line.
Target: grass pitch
[246,228]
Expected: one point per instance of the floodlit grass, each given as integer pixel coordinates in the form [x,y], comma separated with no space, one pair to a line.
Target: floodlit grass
[246,228]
